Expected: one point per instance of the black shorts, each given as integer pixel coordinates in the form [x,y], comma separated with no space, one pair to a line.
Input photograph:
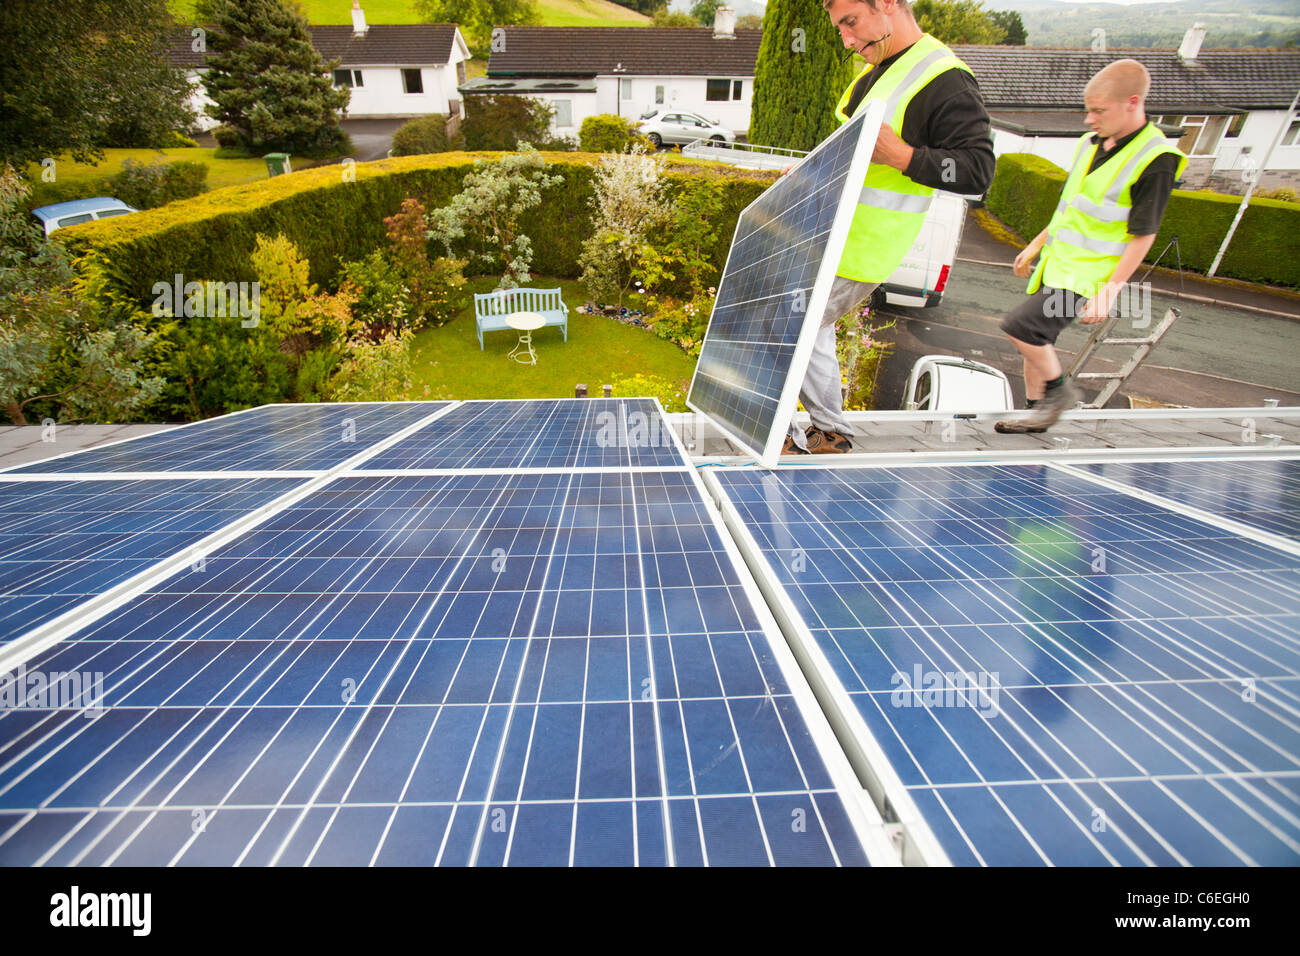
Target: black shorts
[1040,318]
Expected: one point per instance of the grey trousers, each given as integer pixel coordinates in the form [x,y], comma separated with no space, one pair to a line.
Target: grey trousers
[820,392]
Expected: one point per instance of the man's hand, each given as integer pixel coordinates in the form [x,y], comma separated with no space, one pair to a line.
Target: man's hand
[786,171]
[1097,308]
[890,150]
[1025,261]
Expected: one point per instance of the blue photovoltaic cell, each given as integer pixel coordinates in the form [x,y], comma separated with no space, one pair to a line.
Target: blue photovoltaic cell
[546,433]
[764,294]
[1262,494]
[305,437]
[63,541]
[1057,672]
[521,669]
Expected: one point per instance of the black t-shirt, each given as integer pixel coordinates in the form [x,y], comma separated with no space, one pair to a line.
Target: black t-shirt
[946,120]
[1150,193]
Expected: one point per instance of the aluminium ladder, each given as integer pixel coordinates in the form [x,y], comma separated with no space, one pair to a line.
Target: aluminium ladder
[1114,380]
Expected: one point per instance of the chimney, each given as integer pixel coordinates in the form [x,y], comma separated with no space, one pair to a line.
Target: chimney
[1192,42]
[359,26]
[724,24]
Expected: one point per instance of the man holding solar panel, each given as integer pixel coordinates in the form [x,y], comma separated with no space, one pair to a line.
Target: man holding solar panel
[935,136]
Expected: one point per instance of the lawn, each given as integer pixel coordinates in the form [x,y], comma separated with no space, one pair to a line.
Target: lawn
[221,172]
[447,360]
[552,13]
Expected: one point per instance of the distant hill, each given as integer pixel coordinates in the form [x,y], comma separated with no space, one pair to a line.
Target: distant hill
[554,13]
[1229,23]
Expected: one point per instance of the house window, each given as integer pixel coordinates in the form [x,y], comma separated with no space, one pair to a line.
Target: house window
[1234,127]
[659,96]
[412,81]
[624,89]
[718,90]
[347,78]
[1192,126]
[1208,141]
[563,112]
[1292,135]
[735,88]
[460,72]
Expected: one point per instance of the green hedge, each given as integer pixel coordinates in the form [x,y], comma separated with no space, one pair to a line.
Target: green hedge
[335,212]
[1265,247]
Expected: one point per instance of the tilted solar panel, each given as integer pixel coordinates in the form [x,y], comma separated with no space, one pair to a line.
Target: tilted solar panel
[774,287]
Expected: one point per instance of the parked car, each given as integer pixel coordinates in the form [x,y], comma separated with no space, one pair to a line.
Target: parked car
[77,211]
[945,383]
[677,126]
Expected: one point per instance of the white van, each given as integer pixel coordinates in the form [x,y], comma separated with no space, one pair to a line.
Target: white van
[921,277]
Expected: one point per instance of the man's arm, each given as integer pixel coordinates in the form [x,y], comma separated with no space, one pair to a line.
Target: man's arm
[946,141]
[1098,307]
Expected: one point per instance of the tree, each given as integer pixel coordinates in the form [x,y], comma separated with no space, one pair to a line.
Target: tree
[488,210]
[503,122]
[957,21]
[750,21]
[705,10]
[477,18]
[798,78]
[648,7]
[663,18]
[1012,27]
[74,70]
[266,80]
[629,207]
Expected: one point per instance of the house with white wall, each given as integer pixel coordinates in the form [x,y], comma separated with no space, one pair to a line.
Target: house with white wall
[395,71]
[1223,107]
[626,71]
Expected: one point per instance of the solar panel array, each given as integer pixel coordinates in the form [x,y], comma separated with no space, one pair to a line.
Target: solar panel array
[516,633]
[529,644]
[780,268]
[1053,671]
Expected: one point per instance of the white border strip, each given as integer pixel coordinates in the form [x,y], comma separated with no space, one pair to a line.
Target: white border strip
[154,475]
[865,755]
[1028,456]
[44,636]
[1230,525]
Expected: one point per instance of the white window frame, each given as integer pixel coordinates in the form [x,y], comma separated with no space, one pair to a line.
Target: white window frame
[418,72]
[624,89]
[568,106]
[1292,135]
[353,75]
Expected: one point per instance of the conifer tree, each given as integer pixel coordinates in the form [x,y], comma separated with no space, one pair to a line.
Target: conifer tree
[798,78]
[266,80]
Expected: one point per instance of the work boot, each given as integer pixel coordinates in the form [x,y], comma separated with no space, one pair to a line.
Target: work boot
[1050,406]
[826,443]
[1021,427]
[790,448]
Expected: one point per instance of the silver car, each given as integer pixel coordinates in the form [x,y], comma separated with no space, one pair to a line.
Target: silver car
[678,126]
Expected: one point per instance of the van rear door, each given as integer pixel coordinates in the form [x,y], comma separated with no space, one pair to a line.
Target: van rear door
[921,277]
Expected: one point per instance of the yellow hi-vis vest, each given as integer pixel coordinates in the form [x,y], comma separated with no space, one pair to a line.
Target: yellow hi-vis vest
[1089,230]
[891,208]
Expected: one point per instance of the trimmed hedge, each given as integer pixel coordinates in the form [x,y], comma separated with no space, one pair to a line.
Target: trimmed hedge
[1265,247]
[331,214]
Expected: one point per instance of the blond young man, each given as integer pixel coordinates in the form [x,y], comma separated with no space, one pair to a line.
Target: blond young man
[1104,225]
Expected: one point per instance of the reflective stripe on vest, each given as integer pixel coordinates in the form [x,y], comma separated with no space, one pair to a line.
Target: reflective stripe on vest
[891,208]
[1089,229]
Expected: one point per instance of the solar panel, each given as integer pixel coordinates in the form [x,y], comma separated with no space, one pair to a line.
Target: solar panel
[63,541]
[1048,671]
[528,666]
[1262,494]
[774,287]
[547,433]
[309,437]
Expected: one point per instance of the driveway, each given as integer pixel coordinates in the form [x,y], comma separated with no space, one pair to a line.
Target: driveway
[371,138]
